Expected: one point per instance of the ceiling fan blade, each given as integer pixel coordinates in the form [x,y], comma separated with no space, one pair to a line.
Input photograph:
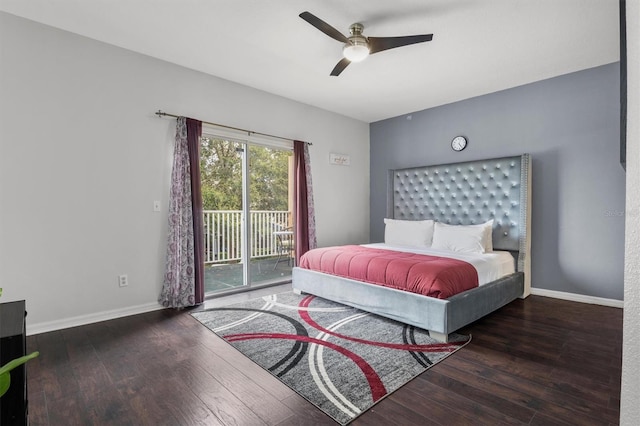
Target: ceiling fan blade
[378,44]
[324,27]
[340,66]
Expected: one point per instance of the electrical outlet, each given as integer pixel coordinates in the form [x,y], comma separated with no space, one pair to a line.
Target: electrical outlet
[123,280]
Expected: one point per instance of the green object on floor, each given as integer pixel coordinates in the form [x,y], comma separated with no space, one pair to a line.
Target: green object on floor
[5,376]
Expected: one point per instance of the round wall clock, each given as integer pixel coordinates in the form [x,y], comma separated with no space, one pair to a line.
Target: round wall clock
[459,143]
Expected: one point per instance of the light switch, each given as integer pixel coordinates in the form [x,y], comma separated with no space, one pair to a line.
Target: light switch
[156,206]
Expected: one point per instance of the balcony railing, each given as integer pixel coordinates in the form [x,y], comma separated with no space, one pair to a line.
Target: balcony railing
[223,234]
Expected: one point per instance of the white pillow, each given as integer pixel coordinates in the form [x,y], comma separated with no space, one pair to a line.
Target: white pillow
[463,238]
[488,236]
[411,233]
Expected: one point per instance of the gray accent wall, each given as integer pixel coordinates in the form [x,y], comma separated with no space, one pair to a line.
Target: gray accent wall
[571,127]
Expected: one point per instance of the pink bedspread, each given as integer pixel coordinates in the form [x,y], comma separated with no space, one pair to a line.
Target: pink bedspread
[433,276]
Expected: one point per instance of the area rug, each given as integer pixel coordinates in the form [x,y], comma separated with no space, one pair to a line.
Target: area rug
[339,358]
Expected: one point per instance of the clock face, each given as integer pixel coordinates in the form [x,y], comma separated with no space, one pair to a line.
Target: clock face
[459,143]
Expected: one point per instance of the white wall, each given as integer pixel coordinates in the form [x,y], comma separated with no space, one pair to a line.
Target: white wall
[630,409]
[83,157]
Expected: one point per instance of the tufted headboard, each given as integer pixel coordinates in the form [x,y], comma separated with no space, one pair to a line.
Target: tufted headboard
[469,193]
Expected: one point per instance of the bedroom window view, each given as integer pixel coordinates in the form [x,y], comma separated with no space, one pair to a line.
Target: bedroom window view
[247,199]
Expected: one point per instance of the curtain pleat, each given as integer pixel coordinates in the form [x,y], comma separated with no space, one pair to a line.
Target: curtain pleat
[194,132]
[304,211]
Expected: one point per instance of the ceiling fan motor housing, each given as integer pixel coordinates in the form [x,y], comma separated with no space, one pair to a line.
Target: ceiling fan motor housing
[358,47]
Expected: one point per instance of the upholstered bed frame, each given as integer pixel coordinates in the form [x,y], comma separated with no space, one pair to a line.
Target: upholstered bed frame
[459,193]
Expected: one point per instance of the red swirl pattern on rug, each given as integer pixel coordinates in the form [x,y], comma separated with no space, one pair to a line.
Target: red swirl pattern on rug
[377,388]
[433,347]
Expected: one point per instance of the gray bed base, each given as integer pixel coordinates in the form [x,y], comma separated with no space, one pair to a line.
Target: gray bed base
[460,193]
[440,316]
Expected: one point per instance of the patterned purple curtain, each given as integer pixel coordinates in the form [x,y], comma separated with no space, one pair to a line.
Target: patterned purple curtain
[183,278]
[304,211]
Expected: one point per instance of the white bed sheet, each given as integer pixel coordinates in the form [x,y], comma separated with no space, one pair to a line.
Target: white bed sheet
[490,266]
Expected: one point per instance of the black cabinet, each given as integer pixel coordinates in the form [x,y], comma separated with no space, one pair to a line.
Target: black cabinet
[13,344]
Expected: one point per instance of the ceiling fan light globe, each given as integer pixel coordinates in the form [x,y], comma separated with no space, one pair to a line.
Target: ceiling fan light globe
[355,53]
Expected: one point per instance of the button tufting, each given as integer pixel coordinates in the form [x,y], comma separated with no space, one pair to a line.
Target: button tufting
[462,194]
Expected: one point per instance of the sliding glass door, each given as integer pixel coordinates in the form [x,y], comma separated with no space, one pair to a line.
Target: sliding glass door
[248,221]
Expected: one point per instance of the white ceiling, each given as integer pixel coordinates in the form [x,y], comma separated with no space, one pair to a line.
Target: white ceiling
[478,47]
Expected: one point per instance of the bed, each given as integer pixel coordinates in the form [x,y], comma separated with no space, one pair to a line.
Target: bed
[467,193]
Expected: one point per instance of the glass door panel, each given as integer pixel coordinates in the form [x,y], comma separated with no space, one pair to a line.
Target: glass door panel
[247,194]
[270,195]
[221,176]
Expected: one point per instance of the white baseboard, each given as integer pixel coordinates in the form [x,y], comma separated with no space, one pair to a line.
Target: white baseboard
[45,327]
[577,297]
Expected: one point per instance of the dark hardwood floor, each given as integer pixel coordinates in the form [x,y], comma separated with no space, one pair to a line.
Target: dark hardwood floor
[538,361]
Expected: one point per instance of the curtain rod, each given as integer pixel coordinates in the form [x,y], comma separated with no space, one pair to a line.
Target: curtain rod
[161,113]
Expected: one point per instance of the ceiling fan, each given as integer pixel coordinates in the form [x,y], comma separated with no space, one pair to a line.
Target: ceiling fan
[357,47]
